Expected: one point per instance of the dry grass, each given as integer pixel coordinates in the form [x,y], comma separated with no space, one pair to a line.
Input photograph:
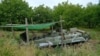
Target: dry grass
[86,49]
[10,47]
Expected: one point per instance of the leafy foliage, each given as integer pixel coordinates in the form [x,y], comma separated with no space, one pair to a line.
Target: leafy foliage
[42,14]
[70,13]
[15,11]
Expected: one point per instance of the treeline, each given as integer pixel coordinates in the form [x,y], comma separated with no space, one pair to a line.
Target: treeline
[15,12]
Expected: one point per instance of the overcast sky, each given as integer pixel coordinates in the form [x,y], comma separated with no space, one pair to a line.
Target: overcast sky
[52,3]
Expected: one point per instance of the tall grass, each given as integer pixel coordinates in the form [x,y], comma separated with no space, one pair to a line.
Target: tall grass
[95,34]
[10,47]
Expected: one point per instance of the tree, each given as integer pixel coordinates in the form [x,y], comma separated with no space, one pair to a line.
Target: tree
[14,11]
[90,18]
[98,10]
[70,13]
[42,14]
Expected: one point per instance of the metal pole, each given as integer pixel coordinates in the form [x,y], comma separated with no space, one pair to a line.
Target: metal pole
[27,36]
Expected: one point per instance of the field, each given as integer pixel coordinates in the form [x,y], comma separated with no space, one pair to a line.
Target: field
[9,46]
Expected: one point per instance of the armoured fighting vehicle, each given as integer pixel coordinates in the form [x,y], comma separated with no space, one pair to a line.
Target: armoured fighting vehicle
[65,37]
[54,38]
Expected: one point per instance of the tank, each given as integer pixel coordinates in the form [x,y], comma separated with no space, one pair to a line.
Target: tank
[65,37]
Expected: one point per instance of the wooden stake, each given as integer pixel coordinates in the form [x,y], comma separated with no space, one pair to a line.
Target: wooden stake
[31,20]
[12,29]
[27,36]
[61,27]
[52,26]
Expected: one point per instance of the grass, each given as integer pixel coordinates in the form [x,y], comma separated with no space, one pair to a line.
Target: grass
[9,47]
[95,34]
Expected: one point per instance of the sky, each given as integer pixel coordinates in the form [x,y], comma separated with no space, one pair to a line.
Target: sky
[51,3]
